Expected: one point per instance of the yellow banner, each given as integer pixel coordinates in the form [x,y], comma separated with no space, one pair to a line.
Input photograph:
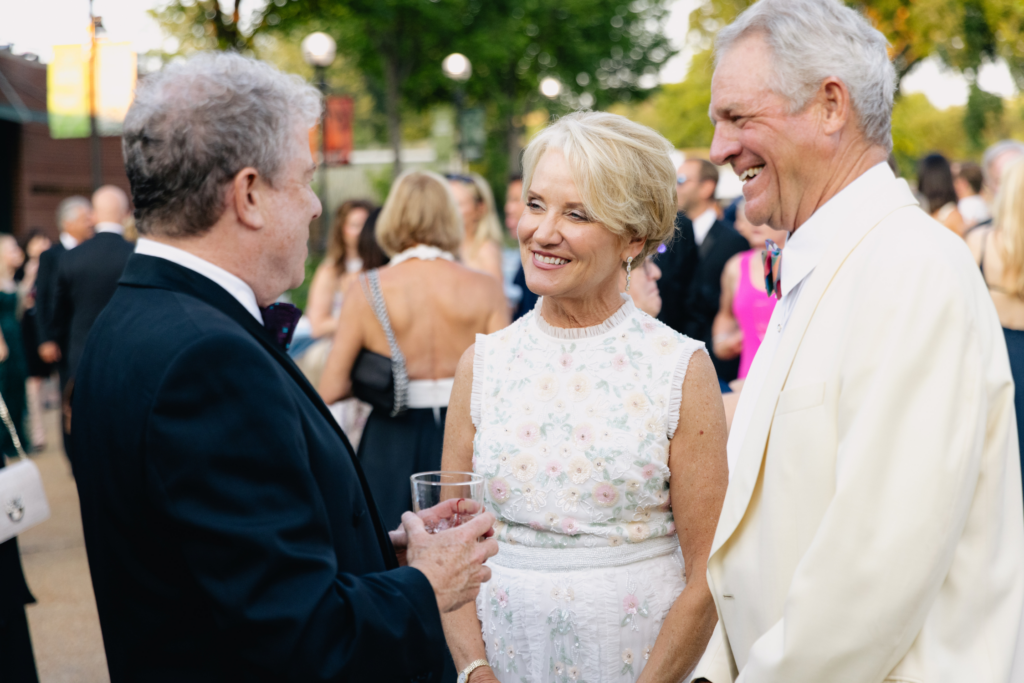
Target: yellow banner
[116,73]
[67,92]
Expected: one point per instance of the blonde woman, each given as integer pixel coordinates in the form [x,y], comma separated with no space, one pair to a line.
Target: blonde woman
[434,308]
[481,247]
[586,416]
[999,252]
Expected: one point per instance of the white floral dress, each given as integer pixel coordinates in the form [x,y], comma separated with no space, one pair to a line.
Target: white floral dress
[572,435]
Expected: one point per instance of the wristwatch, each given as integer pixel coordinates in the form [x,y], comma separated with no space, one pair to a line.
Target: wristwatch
[473,666]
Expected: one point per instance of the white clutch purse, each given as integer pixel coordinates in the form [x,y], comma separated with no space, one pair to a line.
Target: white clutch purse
[23,502]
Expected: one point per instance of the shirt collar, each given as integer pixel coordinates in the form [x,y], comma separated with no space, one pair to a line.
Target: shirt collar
[107,226]
[702,225]
[68,241]
[234,285]
[806,246]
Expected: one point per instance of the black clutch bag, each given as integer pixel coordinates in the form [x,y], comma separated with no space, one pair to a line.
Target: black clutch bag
[380,381]
[373,381]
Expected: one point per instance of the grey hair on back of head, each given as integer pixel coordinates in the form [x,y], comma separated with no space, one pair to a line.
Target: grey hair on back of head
[194,125]
[812,40]
[67,208]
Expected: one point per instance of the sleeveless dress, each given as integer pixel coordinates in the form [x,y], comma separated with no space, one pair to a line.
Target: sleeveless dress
[392,449]
[753,310]
[573,430]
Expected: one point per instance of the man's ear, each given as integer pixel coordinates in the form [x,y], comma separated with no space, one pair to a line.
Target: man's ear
[707,189]
[834,99]
[247,196]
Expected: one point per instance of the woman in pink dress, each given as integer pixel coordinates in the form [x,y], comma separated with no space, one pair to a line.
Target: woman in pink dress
[746,308]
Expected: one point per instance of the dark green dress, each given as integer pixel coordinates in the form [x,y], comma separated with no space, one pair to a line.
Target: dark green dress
[13,373]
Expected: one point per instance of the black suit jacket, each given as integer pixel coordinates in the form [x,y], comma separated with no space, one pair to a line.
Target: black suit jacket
[720,244]
[678,264]
[86,279]
[230,531]
[46,288]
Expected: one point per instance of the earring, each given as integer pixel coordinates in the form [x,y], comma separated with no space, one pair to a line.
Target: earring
[629,273]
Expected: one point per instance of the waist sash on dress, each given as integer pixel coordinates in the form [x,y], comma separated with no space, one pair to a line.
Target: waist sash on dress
[567,559]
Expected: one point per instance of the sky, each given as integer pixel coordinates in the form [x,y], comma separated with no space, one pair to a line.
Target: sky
[37,25]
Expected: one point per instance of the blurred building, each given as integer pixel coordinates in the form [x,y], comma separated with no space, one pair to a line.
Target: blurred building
[36,172]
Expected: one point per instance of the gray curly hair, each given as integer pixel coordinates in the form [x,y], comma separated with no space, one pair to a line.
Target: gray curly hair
[194,125]
[811,40]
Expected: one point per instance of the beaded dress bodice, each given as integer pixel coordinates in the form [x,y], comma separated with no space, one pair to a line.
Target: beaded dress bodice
[573,428]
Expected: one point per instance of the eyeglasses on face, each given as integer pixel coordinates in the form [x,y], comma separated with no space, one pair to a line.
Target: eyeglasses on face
[680,179]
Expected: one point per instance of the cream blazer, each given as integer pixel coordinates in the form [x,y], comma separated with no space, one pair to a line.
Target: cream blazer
[873,528]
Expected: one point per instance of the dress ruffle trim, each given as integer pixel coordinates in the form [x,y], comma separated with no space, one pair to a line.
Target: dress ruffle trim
[617,318]
[675,398]
[477,397]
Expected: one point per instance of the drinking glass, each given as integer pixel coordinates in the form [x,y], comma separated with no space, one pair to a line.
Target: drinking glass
[432,488]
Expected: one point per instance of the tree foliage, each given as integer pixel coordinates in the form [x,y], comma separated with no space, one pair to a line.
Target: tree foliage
[602,51]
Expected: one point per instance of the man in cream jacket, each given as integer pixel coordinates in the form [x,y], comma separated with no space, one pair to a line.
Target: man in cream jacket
[873,528]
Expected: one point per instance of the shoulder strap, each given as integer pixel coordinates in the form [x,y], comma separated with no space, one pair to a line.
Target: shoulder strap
[370,283]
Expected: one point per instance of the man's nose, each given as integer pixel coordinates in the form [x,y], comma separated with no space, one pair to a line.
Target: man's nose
[724,145]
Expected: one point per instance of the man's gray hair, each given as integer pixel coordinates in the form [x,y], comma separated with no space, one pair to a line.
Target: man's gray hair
[997,150]
[194,125]
[67,209]
[811,40]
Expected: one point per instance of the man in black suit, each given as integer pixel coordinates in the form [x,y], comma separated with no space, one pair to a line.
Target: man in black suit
[87,275]
[74,218]
[716,243]
[230,531]
[678,263]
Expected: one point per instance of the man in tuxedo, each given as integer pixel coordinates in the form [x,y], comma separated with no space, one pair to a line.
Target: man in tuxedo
[87,275]
[230,531]
[873,528]
[75,220]
[716,243]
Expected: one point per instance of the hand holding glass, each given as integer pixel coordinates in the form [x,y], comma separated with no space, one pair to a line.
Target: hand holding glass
[463,491]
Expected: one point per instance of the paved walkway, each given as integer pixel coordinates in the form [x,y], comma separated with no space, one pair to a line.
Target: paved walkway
[65,627]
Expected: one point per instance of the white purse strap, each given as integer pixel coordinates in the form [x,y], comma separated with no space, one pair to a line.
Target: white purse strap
[5,415]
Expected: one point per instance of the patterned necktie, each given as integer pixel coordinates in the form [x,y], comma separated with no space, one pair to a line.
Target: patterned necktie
[772,269]
[280,320]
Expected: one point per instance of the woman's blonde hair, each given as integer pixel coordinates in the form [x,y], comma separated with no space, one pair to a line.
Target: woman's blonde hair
[622,170]
[489,227]
[420,209]
[1008,217]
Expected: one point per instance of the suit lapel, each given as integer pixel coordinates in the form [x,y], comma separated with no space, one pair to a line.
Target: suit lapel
[709,240]
[748,465]
[158,273]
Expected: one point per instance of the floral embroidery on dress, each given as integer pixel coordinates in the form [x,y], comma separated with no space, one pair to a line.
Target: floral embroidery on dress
[633,608]
[573,428]
[564,638]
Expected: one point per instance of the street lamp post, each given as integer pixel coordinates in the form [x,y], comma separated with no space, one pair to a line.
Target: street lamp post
[319,49]
[95,148]
[457,67]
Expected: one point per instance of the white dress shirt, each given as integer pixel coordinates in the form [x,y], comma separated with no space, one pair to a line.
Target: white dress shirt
[108,226]
[68,241]
[232,284]
[702,225]
[804,249]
